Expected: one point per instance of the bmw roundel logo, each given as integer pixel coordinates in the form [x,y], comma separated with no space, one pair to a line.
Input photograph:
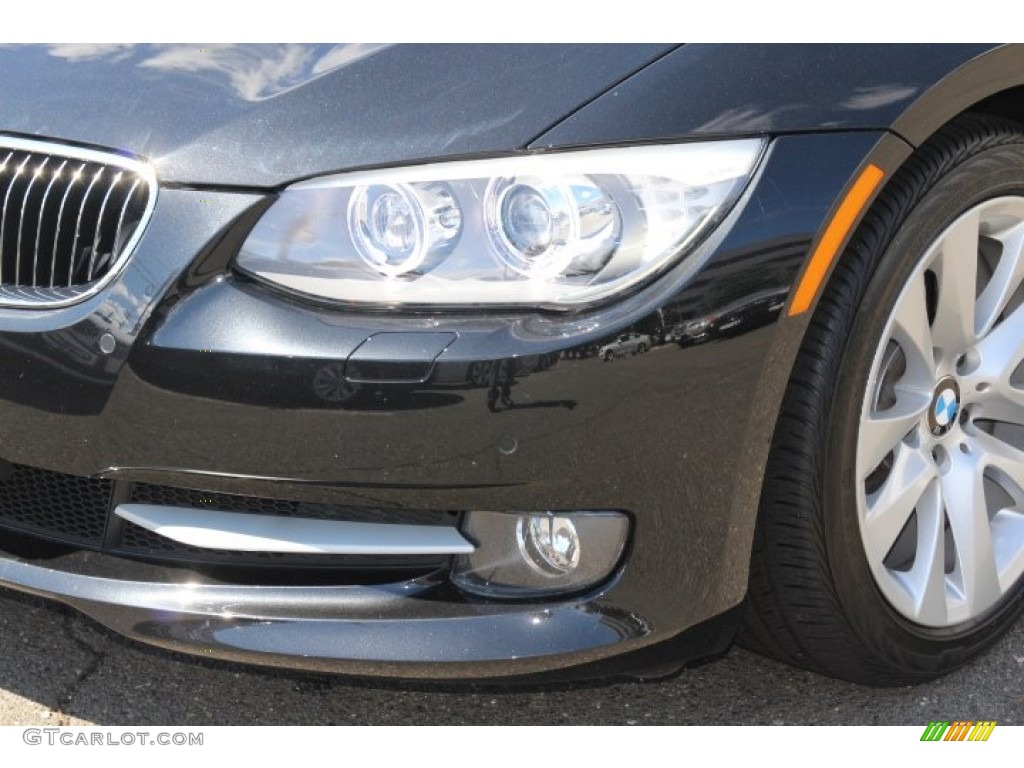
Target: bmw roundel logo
[945,406]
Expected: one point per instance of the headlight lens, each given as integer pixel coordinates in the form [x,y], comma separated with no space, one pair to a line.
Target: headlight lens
[539,227]
[401,229]
[557,230]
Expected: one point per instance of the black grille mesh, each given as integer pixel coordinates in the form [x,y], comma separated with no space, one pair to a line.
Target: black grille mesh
[64,221]
[60,507]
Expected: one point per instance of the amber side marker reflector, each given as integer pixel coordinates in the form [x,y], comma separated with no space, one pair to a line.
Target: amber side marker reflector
[828,246]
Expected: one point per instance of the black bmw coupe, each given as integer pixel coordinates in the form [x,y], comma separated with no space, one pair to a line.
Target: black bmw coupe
[303,352]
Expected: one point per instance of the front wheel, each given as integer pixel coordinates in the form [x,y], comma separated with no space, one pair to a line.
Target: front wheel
[890,543]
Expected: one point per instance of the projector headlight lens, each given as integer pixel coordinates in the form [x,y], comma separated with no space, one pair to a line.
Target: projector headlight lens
[400,229]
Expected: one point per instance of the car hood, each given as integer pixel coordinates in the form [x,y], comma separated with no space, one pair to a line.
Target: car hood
[262,115]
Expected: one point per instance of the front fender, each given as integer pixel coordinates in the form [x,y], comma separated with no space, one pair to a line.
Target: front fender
[700,91]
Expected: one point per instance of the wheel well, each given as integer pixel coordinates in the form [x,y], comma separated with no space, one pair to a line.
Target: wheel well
[1008,104]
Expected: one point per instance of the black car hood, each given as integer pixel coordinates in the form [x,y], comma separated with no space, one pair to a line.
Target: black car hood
[262,115]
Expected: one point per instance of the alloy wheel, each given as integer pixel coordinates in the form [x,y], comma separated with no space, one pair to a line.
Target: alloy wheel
[940,447]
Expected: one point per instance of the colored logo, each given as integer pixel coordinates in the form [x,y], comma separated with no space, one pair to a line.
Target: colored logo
[945,408]
[959,730]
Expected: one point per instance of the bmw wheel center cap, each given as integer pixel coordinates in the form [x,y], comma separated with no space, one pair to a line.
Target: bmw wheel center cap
[945,406]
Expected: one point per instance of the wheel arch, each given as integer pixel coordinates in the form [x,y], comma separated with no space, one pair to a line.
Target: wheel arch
[990,84]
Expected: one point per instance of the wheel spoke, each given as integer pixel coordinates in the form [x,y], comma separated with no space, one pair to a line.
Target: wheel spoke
[926,580]
[1008,532]
[1001,402]
[890,506]
[1002,350]
[914,335]
[964,496]
[882,432]
[956,266]
[996,454]
[1004,282]
[1007,526]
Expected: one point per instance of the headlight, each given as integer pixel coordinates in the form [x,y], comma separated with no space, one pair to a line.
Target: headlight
[554,230]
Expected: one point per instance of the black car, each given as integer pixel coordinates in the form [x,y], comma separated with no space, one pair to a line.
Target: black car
[297,352]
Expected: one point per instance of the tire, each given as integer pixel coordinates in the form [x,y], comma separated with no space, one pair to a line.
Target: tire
[820,595]
[609,356]
[641,349]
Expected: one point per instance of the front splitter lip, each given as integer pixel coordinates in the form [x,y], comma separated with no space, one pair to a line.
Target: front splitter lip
[390,630]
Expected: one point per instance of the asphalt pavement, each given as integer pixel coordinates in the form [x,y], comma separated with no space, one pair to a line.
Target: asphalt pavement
[59,668]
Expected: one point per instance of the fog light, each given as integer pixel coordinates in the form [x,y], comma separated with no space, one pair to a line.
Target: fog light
[549,543]
[529,555]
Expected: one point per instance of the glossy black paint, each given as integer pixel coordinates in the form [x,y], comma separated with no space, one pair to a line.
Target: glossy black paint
[264,115]
[722,90]
[225,384]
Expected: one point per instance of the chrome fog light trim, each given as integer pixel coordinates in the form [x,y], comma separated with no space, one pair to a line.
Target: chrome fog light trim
[241,532]
[539,553]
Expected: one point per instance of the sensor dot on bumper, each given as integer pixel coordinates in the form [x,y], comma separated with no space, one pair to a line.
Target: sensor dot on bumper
[537,554]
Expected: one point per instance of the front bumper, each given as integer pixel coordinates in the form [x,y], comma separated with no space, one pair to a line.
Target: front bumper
[362,630]
[224,385]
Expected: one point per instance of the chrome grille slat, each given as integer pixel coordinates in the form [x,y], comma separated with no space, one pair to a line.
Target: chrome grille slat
[124,210]
[60,215]
[78,225]
[3,214]
[105,201]
[99,227]
[3,172]
[42,214]
[21,221]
